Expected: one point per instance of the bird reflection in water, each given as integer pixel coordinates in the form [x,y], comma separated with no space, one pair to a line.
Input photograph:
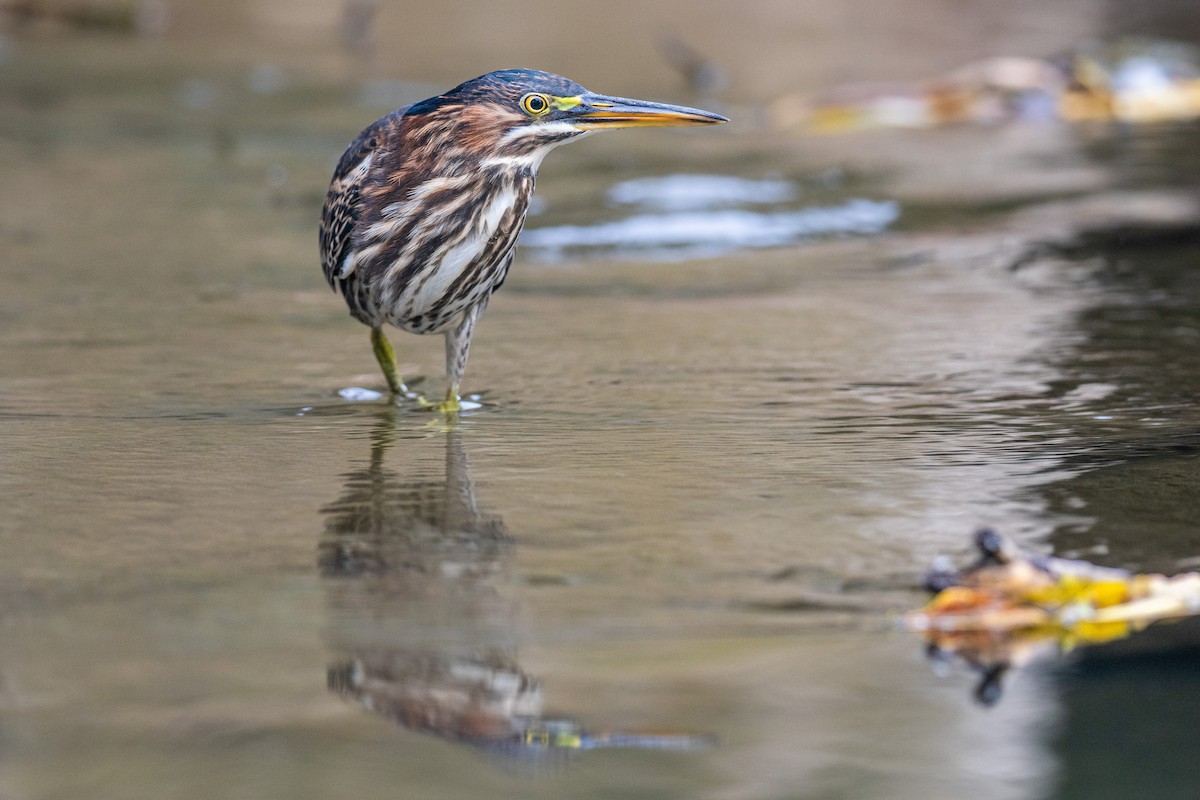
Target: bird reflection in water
[425,611]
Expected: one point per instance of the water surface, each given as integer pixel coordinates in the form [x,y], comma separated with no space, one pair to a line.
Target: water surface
[696,498]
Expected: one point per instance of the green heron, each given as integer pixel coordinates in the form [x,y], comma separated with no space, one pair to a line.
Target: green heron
[422,216]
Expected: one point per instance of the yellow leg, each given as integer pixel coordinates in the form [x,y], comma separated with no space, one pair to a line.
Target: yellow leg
[451,404]
[386,357]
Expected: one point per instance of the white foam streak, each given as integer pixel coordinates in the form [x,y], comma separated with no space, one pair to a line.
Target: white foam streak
[692,192]
[707,233]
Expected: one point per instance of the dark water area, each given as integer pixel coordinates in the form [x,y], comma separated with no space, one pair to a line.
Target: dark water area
[741,387]
[1147,335]
[1106,690]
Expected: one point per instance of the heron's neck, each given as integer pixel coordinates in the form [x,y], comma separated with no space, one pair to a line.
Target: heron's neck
[525,163]
[523,148]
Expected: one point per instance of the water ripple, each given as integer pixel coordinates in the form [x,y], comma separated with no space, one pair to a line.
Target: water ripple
[678,236]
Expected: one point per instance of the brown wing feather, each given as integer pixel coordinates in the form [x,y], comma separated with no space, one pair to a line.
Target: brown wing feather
[344,203]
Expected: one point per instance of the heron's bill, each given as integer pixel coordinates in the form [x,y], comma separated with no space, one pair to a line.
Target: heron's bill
[599,112]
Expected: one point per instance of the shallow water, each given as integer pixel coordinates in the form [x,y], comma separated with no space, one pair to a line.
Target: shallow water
[695,500]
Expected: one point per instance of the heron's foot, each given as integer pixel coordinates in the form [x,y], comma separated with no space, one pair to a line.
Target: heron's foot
[452,404]
[407,395]
[396,386]
[449,406]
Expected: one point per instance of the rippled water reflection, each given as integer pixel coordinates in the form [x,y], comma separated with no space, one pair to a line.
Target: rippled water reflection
[704,234]
[694,500]
[682,217]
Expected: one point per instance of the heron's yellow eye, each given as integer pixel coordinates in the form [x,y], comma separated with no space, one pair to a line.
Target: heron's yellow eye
[535,104]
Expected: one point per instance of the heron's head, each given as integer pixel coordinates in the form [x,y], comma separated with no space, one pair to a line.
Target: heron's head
[517,115]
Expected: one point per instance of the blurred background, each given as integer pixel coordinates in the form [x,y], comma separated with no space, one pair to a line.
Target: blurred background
[742,386]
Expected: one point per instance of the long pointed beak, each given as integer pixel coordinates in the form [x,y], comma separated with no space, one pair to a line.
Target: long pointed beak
[601,112]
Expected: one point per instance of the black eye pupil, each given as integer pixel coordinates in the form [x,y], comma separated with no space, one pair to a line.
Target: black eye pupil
[536,104]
